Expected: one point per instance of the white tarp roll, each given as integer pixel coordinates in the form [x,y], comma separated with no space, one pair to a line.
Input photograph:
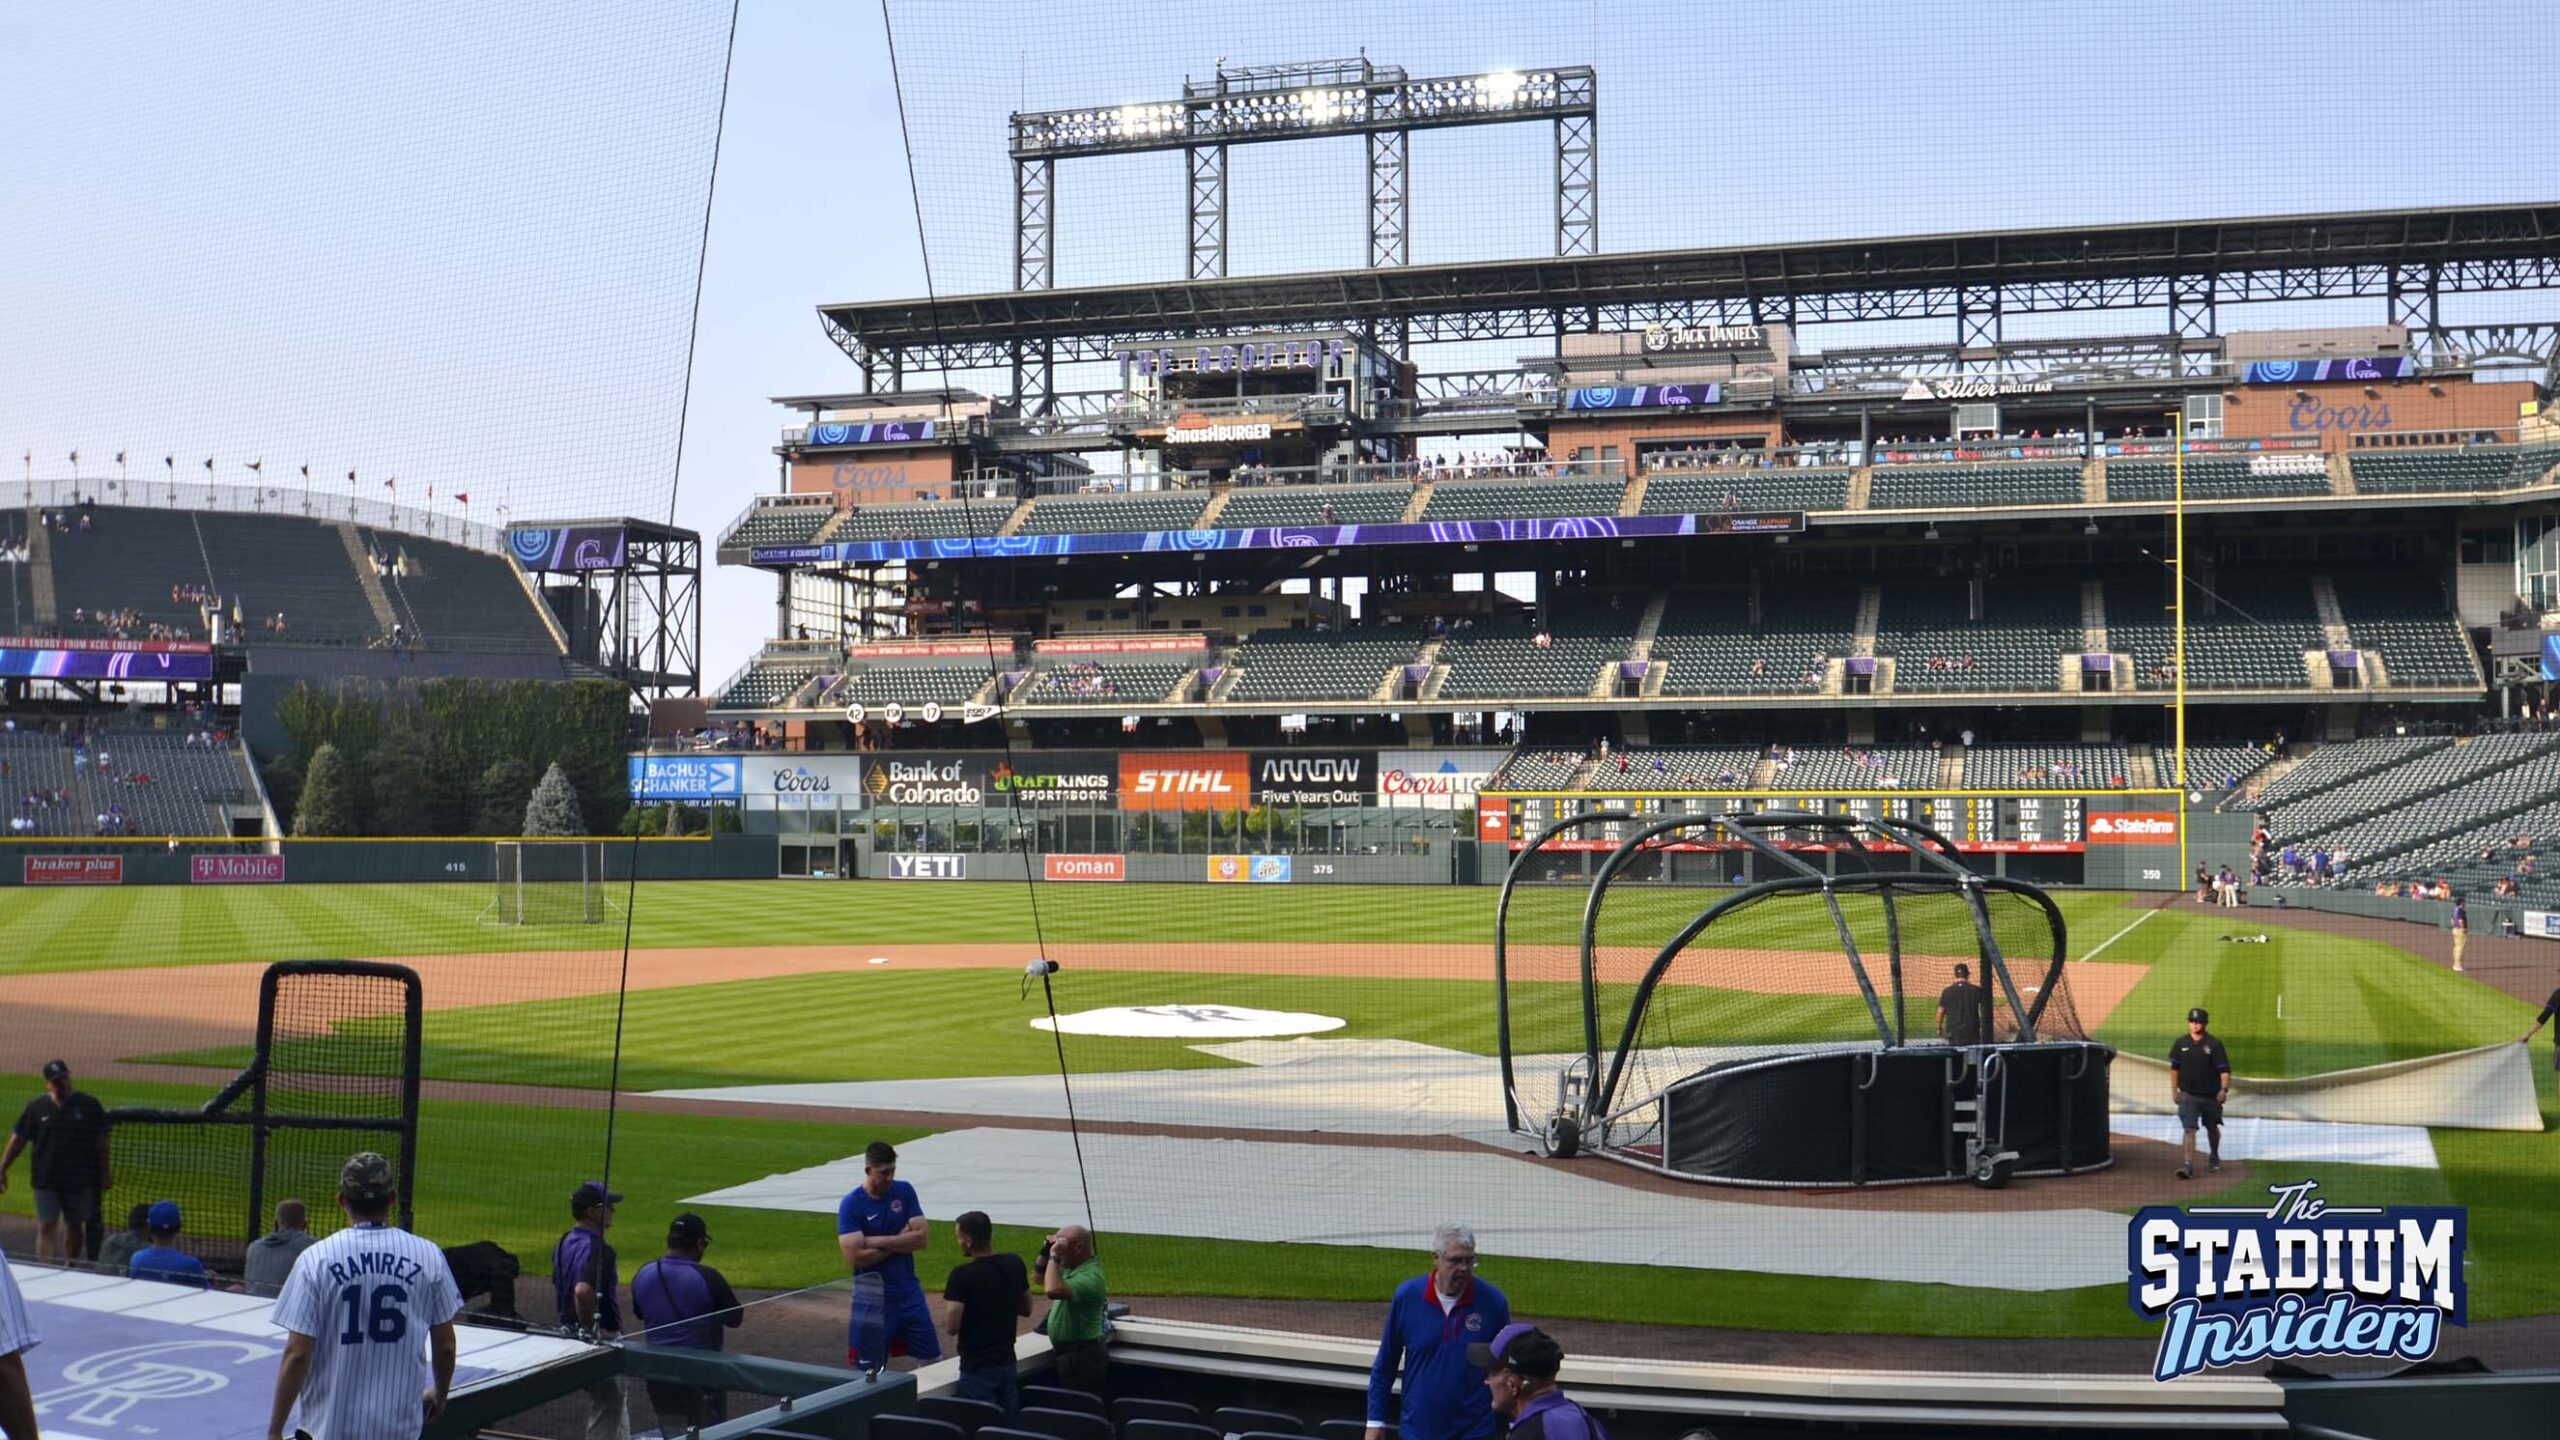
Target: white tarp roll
[2489,1088]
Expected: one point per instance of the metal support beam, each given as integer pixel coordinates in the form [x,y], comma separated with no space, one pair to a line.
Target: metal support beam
[1578,183]
[1207,210]
[1388,194]
[1978,318]
[1035,185]
[2193,318]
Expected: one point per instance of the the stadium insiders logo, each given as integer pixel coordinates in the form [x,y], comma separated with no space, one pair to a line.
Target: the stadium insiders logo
[2237,1284]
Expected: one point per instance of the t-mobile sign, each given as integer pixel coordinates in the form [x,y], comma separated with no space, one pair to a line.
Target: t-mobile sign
[235,869]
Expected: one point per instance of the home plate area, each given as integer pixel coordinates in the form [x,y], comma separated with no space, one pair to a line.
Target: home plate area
[1371,1194]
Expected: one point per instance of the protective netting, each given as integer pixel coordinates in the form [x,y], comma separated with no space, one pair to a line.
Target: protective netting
[548,882]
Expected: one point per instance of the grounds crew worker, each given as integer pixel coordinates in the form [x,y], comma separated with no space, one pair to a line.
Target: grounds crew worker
[67,1129]
[1433,1319]
[685,1304]
[1520,1374]
[1962,1008]
[2550,1008]
[2199,1081]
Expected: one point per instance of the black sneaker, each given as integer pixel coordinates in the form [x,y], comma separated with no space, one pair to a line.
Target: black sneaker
[2186,1172]
[2215,1166]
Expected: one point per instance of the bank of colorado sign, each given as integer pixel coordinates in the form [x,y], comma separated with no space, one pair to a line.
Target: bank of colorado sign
[235,869]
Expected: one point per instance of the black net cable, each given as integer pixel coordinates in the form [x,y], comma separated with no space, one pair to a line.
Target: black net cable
[1020,833]
[693,340]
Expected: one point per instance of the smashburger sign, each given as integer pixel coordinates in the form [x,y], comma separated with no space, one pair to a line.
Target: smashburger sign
[2139,827]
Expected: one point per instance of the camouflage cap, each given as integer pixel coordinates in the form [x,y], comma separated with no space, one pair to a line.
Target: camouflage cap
[366,1177]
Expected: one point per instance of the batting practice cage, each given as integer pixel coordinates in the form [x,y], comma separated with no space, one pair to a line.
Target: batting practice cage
[1935,1039]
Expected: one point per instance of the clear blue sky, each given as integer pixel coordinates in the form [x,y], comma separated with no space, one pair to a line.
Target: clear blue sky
[455,242]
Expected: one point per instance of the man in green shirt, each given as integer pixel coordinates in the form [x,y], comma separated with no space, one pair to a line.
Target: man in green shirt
[1072,1279]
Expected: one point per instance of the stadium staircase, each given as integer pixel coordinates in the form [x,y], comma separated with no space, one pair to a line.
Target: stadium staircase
[1641,648]
[1014,522]
[2342,476]
[1414,507]
[1861,484]
[1951,768]
[2093,482]
[361,561]
[1209,515]
[2333,620]
[1764,773]
[1633,503]
[40,569]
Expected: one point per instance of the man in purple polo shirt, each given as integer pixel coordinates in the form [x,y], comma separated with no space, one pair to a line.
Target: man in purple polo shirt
[1520,1366]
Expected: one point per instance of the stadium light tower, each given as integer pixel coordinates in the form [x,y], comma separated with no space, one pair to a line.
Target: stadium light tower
[1312,100]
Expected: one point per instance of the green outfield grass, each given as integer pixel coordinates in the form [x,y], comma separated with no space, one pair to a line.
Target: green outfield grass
[117,927]
[474,1159]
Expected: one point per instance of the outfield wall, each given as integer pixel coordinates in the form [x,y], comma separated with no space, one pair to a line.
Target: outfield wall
[74,863]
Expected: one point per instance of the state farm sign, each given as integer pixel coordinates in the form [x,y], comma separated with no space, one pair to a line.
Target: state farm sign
[1184,780]
[2141,827]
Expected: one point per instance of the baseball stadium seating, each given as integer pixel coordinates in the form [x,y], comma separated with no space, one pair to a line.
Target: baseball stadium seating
[787,521]
[1314,505]
[2332,766]
[1312,665]
[939,520]
[1919,487]
[1688,491]
[1523,499]
[2255,640]
[1708,646]
[1502,659]
[2214,767]
[1529,769]
[1643,767]
[1113,514]
[2047,767]
[2389,839]
[1859,768]
[2416,471]
[2221,477]
[2393,793]
[127,560]
[2026,628]
[765,683]
[456,598]
[952,684]
[2405,620]
[265,564]
[1099,682]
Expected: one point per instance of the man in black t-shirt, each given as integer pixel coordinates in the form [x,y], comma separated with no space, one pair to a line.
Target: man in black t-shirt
[986,1294]
[2199,1081]
[1963,1009]
[2550,1008]
[67,1129]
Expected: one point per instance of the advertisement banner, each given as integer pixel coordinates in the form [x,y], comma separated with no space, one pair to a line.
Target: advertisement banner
[71,869]
[1183,643]
[2134,827]
[1305,777]
[1185,780]
[235,869]
[928,867]
[1249,869]
[1642,397]
[1084,867]
[2336,368]
[568,548]
[63,664]
[823,777]
[687,777]
[1435,779]
[925,780]
[1055,778]
[1282,537]
[2539,924]
[1493,818]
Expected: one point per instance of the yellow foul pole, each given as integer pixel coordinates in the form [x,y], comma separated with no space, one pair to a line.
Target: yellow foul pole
[2178,620]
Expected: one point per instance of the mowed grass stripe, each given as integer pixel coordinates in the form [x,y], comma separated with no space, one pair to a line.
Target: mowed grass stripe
[47,930]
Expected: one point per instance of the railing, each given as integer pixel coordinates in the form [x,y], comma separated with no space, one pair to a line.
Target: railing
[2463,437]
[1843,455]
[229,499]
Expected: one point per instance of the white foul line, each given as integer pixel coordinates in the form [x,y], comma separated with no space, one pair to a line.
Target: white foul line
[2129,929]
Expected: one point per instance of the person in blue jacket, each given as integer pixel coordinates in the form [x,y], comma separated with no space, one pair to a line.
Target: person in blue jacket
[1432,1321]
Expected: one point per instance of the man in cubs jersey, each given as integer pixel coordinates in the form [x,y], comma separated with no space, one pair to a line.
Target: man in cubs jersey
[356,1366]
[880,1226]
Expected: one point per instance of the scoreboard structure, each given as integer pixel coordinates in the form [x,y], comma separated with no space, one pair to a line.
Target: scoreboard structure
[2114,838]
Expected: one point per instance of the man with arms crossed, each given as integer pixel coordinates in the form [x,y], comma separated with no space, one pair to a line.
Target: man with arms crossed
[356,1366]
[1433,1320]
[2199,1081]
[880,1226]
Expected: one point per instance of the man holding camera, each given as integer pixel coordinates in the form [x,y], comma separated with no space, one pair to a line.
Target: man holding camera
[1072,1279]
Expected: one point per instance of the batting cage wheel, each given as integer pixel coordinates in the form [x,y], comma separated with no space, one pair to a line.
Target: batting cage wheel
[1716,1040]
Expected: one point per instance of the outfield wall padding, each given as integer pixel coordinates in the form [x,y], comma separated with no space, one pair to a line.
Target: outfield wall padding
[410,862]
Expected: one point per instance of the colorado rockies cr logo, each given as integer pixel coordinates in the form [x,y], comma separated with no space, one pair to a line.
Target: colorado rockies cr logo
[105,1385]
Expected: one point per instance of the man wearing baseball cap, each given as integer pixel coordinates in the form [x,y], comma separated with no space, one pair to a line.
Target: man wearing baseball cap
[2199,1081]
[583,1280]
[1520,1365]
[683,1303]
[1963,1009]
[67,1129]
[161,1259]
[368,1320]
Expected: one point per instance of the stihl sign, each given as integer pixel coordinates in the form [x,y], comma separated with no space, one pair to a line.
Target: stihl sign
[1184,782]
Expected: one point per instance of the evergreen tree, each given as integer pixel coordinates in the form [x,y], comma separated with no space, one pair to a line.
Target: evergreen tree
[328,805]
[503,789]
[554,808]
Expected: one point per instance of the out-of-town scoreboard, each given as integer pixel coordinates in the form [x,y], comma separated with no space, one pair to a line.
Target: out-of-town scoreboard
[2039,824]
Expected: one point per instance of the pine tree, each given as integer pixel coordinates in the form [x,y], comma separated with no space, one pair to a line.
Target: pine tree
[328,805]
[503,788]
[554,808]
